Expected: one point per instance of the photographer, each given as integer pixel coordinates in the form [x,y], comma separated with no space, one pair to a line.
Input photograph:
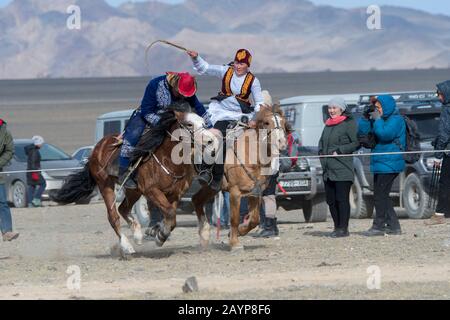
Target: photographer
[388,129]
[442,142]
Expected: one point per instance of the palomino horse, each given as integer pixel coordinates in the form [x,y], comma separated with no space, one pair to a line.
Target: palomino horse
[242,173]
[159,179]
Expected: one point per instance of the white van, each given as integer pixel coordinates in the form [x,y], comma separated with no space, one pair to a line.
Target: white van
[111,123]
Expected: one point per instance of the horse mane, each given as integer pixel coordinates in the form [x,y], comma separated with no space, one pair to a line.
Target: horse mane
[263,113]
[154,137]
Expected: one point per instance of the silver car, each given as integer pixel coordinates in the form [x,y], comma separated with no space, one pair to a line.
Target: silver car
[52,158]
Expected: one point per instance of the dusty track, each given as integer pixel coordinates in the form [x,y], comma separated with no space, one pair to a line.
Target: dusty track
[302,264]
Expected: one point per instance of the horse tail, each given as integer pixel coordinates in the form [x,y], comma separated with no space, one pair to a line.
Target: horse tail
[79,186]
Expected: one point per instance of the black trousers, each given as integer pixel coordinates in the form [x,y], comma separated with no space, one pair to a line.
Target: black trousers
[385,214]
[443,205]
[218,168]
[338,200]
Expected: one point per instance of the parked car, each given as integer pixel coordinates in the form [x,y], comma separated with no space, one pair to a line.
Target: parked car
[411,190]
[52,158]
[303,185]
[82,154]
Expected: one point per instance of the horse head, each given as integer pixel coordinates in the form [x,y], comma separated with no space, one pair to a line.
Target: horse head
[271,118]
[194,127]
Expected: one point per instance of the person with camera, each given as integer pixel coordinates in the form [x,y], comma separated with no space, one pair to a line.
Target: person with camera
[382,121]
[442,142]
[338,137]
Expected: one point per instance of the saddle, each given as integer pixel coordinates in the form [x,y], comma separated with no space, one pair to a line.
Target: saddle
[236,129]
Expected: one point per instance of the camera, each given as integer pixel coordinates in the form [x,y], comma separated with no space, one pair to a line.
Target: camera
[369,109]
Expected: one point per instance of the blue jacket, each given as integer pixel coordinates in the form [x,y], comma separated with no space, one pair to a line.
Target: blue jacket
[158,97]
[390,133]
[443,139]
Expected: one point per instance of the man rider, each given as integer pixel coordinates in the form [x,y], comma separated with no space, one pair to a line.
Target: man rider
[161,92]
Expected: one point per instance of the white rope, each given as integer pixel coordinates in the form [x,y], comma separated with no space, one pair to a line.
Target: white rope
[365,154]
[41,170]
[296,157]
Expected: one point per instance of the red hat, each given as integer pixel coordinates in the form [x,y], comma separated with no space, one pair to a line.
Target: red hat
[243,56]
[183,82]
[1,122]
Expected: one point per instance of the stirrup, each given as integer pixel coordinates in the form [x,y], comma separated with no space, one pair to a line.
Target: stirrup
[256,191]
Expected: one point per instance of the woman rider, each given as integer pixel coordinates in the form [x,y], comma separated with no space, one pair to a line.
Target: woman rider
[240,96]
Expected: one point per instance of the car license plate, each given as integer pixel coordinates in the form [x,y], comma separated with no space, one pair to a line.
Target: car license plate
[295,183]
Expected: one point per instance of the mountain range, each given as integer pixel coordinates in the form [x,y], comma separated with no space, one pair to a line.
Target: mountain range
[283,35]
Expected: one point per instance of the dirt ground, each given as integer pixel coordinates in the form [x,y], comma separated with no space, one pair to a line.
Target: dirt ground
[304,263]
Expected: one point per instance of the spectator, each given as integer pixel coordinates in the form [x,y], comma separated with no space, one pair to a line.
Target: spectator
[269,209]
[389,129]
[338,137]
[225,212]
[443,143]
[6,154]
[35,180]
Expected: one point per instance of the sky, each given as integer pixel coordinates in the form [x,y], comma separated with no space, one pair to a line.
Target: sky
[433,6]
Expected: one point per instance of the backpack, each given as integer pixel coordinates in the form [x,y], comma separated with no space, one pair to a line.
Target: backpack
[412,141]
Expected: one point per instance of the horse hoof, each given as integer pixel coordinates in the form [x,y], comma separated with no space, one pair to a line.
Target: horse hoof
[204,244]
[126,257]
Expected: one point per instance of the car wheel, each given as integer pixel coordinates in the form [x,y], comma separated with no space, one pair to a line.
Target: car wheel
[316,209]
[19,194]
[415,198]
[140,210]
[361,207]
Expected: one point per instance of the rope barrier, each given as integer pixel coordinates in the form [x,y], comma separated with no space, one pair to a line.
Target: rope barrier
[297,157]
[41,170]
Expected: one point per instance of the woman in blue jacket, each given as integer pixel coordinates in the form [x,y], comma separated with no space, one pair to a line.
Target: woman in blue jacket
[389,129]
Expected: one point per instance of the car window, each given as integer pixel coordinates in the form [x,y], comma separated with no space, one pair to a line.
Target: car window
[78,155]
[427,124]
[52,153]
[19,152]
[111,127]
[87,153]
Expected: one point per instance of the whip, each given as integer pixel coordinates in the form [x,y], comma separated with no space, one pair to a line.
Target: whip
[161,41]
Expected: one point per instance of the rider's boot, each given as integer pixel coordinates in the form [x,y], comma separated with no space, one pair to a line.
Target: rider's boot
[256,191]
[130,183]
[207,176]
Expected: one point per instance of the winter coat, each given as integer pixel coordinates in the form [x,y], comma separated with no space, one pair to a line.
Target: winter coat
[342,139]
[443,139]
[390,134]
[6,148]
[33,163]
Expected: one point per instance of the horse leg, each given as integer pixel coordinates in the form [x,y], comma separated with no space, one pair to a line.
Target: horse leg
[107,191]
[199,200]
[235,204]
[162,231]
[254,205]
[131,197]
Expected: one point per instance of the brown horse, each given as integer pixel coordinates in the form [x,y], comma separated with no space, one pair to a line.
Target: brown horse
[159,179]
[243,172]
